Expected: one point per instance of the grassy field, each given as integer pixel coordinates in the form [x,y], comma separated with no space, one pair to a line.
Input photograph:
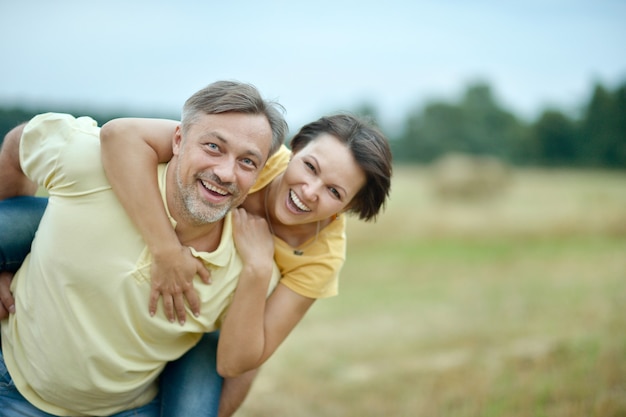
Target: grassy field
[515,306]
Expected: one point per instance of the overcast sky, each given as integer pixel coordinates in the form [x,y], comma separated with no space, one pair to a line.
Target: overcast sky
[315,57]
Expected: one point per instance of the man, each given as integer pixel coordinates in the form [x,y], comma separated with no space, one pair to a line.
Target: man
[81,341]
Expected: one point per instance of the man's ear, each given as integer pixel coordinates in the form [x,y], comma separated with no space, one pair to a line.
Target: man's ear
[177,140]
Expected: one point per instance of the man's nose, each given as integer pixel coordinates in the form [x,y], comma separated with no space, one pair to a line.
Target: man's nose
[225,170]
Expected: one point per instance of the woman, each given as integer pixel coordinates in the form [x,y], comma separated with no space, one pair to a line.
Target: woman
[339,165]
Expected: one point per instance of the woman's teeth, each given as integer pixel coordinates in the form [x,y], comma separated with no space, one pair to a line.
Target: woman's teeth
[297,202]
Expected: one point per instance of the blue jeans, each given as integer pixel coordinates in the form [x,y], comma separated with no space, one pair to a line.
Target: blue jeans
[190,386]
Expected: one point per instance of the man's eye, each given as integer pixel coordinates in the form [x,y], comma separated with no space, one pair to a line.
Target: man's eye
[249,162]
[213,146]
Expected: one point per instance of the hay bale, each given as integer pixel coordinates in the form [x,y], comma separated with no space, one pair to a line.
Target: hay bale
[467,177]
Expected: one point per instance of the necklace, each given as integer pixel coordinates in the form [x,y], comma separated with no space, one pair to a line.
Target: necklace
[300,251]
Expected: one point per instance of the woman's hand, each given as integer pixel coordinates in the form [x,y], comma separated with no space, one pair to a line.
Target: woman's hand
[172,274]
[7,303]
[253,240]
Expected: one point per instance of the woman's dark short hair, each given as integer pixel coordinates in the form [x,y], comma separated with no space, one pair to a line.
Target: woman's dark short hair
[371,151]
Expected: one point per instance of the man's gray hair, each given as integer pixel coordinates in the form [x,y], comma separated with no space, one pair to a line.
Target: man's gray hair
[233,96]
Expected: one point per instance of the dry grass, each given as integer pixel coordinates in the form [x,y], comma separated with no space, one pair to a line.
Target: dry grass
[510,307]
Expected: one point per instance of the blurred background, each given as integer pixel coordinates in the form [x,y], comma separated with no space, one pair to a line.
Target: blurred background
[495,282]
[408,63]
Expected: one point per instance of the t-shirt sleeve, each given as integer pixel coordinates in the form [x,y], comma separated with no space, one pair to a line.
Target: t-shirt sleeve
[62,153]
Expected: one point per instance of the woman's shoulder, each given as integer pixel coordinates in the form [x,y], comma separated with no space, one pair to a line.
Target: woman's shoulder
[276,164]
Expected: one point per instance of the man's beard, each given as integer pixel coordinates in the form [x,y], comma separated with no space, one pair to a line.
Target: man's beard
[197,210]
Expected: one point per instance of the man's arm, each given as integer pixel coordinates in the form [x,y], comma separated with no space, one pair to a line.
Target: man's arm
[13,182]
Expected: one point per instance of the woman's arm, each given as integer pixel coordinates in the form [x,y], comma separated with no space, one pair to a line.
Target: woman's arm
[255,326]
[131,150]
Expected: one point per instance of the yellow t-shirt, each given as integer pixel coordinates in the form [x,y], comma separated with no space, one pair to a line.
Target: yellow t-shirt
[315,273]
[81,341]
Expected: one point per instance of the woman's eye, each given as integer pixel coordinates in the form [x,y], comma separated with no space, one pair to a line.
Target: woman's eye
[310,166]
[335,193]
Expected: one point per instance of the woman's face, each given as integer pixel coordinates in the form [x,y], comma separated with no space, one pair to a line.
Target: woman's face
[320,181]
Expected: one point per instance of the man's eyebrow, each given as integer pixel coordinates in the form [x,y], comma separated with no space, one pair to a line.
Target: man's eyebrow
[214,135]
[218,136]
[254,154]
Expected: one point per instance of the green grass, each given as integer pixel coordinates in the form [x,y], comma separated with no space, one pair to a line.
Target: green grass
[510,307]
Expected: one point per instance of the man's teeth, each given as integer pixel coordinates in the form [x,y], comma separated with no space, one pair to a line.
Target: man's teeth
[297,202]
[213,188]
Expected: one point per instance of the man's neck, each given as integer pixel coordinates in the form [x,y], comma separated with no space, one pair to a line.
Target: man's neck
[204,238]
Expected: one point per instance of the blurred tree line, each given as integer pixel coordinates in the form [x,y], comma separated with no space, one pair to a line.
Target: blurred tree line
[478,125]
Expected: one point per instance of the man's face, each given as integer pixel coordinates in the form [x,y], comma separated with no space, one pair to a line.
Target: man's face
[217,161]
